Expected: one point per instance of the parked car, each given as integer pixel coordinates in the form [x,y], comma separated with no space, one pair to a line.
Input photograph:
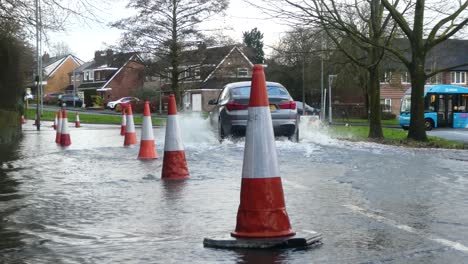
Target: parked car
[230,113]
[28,96]
[68,99]
[124,101]
[309,109]
[52,98]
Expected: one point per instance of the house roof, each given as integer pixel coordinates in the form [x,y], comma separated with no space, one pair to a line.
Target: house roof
[54,63]
[211,55]
[113,62]
[225,57]
[449,53]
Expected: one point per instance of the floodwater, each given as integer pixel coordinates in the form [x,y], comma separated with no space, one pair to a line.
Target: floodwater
[95,202]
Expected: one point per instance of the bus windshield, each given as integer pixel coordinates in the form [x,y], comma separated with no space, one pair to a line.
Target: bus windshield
[405,104]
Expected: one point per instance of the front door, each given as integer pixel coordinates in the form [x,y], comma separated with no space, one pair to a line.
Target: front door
[196,103]
[444,110]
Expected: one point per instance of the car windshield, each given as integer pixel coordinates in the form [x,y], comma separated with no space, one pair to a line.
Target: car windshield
[272,91]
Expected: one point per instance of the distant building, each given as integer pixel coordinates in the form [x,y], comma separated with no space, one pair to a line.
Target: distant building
[204,71]
[109,75]
[56,72]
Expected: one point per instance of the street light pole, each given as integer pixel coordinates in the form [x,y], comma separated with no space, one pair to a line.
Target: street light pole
[37,79]
[330,78]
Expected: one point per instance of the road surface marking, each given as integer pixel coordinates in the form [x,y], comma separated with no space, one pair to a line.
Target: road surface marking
[455,245]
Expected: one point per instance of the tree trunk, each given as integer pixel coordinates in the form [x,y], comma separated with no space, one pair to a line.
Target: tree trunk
[418,79]
[375,127]
[174,56]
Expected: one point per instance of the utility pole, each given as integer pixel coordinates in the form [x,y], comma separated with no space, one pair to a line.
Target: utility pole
[37,78]
[330,80]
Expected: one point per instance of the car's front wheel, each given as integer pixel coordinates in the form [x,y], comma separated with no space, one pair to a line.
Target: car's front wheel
[294,137]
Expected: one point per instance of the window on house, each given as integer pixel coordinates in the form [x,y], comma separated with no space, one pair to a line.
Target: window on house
[242,72]
[86,76]
[97,76]
[385,77]
[196,73]
[405,77]
[458,77]
[436,79]
[386,104]
[91,75]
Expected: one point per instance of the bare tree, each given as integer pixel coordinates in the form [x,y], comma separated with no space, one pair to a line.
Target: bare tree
[59,49]
[424,31]
[54,14]
[164,29]
[358,29]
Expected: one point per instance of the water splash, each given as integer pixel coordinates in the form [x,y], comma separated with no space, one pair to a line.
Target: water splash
[196,129]
[315,132]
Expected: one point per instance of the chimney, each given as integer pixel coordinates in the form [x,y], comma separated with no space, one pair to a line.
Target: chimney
[45,57]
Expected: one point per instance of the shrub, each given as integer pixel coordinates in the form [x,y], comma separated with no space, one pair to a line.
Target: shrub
[388,116]
[97,101]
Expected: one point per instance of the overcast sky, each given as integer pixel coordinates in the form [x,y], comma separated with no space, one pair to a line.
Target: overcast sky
[83,39]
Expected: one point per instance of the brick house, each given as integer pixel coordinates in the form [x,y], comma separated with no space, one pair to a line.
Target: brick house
[204,71]
[109,75]
[56,72]
[395,79]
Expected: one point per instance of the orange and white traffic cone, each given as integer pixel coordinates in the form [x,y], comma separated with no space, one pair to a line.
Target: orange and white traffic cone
[65,138]
[262,211]
[262,220]
[174,162]
[77,120]
[55,121]
[123,123]
[130,135]
[23,121]
[147,146]
[58,135]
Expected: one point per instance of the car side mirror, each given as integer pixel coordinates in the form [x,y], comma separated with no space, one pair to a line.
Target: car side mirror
[212,102]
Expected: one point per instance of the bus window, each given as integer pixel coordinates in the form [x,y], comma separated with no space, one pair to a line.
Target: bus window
[406,104]
[429,103]
[463,103]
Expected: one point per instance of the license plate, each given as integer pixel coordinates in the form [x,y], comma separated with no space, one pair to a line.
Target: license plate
[272,107]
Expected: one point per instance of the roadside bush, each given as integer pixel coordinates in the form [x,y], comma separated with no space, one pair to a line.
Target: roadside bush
[388,116]
[97,101]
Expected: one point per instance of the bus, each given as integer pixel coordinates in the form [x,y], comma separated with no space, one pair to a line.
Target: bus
[444,106]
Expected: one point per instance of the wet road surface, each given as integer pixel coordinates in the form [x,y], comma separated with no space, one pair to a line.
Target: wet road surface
[94,202]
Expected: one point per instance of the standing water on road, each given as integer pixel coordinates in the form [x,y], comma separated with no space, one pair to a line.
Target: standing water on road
[95,202]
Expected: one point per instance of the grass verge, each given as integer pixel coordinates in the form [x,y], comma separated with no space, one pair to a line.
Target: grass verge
[392,137]
[355,120]
[93,119]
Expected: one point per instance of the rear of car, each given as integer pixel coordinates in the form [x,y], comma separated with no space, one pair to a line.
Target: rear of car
[69,100]
[232,110]
[52,98]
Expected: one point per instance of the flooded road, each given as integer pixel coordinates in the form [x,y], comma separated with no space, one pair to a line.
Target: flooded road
[94,202]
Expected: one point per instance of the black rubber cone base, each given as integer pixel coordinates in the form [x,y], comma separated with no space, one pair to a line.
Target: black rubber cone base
[300,240]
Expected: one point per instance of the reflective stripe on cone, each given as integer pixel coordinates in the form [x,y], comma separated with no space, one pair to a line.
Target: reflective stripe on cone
[58,135]
[123,123]
[55,121]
